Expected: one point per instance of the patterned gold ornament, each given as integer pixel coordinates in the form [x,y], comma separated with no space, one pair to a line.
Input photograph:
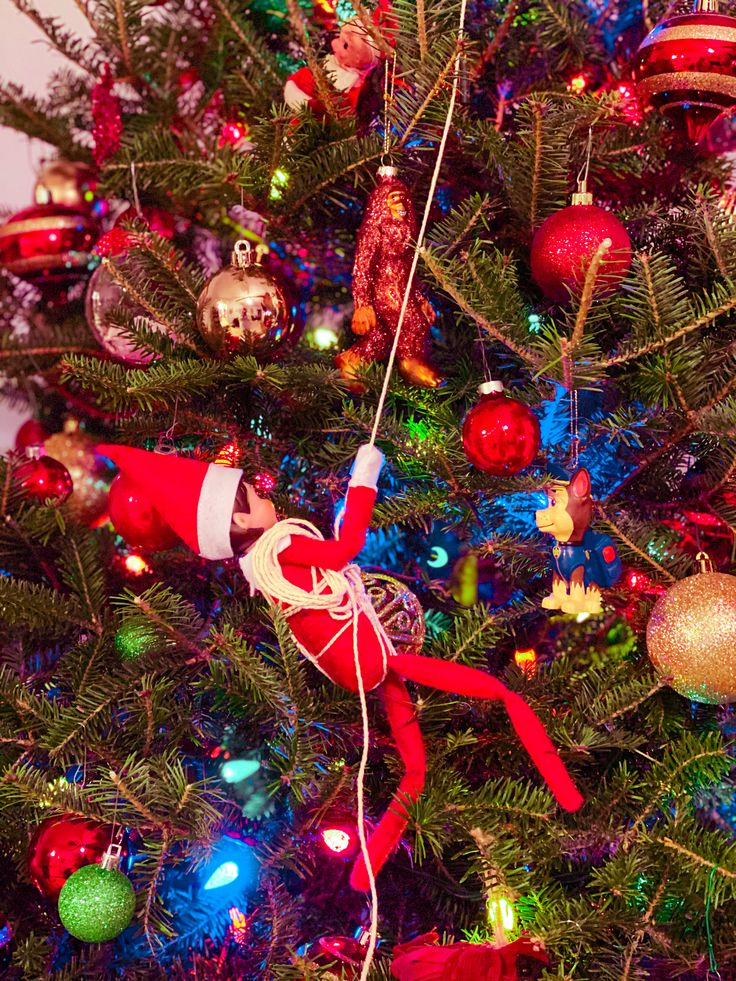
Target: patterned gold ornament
[90,474]
[398,609]
[691,636]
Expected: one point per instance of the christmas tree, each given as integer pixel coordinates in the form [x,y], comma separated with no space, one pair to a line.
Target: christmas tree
[367,594]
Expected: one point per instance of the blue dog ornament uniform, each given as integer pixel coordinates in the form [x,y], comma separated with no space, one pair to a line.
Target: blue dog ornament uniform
[583,561]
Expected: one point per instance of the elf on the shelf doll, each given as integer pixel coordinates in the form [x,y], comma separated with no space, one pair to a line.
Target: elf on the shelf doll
[218,515]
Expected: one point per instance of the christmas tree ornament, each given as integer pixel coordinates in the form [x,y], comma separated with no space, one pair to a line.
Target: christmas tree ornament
[107,118]
[344,954]
[135,519]
[60,846]
[70,183]
[691,636]
[31,433]
[97,902]
[398,609]
[422,959]
[105,296]
[49,246]
[7,943]
[686,68]
[501,436]
[583,561]
[133,640]
[383,260]
[90,473]
[244,310]
[43,479]
[329,613]
[160,221]
[566,243]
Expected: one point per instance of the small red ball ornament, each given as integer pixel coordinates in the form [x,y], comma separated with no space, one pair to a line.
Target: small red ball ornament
[500,435]
[565,243]
[50,246]
[345,954]
[31,433]
[44,479]
[686,68]
[135,519]
[60,846]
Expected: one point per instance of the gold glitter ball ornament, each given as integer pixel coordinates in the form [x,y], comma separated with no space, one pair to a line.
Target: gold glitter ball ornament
[691,637]
[89,472]
[399,611]
[244,310]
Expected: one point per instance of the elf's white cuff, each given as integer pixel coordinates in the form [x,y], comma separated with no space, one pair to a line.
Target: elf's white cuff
[367,467]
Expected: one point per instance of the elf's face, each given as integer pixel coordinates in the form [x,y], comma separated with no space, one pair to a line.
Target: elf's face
[252,516]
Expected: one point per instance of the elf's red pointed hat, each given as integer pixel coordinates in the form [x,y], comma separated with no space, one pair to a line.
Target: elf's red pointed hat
[194,498]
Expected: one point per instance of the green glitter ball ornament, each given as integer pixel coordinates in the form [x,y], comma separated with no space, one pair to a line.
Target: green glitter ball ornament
[96,902]
[134,639]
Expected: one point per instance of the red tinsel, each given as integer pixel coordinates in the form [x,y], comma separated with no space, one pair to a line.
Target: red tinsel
[106,113]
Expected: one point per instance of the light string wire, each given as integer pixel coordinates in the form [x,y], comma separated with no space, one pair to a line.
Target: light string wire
[419,246]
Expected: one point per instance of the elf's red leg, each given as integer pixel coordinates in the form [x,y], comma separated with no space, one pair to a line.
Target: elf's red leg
[462,680]
[408,738]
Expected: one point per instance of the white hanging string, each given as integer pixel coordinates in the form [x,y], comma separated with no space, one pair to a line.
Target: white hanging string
[419,246]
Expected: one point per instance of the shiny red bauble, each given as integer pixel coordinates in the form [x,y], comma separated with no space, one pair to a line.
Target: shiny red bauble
[686,68]
[31,433]
[345,953]
[135,519]
[50,246]
[565,243]
[44,480]
[500,435]
[62,845]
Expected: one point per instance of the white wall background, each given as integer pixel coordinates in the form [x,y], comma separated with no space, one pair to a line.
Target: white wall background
[26,58]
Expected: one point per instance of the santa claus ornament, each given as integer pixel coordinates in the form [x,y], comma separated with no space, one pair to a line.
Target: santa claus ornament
[330,615]
[354,55]
[383,261]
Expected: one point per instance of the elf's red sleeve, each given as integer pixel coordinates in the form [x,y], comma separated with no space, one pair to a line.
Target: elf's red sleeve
[336,553]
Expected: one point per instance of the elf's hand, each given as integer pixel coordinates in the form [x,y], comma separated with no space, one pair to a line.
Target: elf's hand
[368,463]
[364,320]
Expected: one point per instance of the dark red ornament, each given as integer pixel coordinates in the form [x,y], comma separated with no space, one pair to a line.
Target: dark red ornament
[61,845]
[686,68]
[44,479]
[423,959]
[345,953]
[107,116]
[565,243]
[500,435]
[31,433]
[135,519]
[50,246]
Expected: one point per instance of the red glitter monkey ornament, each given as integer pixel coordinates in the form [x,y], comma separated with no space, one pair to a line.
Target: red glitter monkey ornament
[383,259]
[331,618]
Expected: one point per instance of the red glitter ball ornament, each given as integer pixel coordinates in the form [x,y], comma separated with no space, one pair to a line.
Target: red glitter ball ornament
[44,479]
[50,246]
[264,483]
[565,243]
[500,435]
[135,519]
[686,68]
[60,846]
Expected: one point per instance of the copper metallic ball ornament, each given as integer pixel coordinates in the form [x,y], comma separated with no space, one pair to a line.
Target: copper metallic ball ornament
[691,636]
[66,182]
[89,472]
[686,68]
[398,609]
[243,310]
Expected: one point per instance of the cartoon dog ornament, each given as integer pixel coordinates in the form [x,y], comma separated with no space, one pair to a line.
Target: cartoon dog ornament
[584,561]
[330,616]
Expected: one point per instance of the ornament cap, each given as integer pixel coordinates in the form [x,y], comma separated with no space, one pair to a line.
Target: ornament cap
[490,387]
[705,562]
[112,857]
[582,197]
[244,254]
[706,6]
[35,451]
[387,170]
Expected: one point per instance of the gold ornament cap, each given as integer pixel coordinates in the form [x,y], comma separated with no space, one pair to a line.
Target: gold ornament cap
[706,6]
[582,195]
[245,254]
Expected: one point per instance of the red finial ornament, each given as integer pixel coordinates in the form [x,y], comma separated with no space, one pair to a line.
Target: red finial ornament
[500,435]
